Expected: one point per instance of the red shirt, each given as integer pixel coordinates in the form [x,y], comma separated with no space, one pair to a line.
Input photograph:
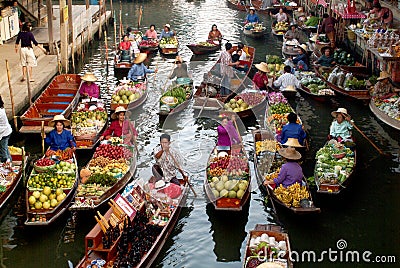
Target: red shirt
[259,79]
[125,45]
[117,130]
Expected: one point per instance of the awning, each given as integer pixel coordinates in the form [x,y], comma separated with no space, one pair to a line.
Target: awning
[348,16]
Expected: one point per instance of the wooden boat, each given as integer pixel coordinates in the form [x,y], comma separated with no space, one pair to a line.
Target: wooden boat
[279,34]
[169,50]
[321,98]
[87,199]
[136,103]
[204,100]
[227,203]
[252,260]
[362,95]
[43,217]
[14,177]
[87,137]
[60,97]
[166,111]
[384,117]
[329,182]
[148,46]
[256,32]
[199,49]
[93,241]
[237,4]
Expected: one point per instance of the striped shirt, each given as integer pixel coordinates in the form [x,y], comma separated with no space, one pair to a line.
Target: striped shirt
[285,80]
[225,60]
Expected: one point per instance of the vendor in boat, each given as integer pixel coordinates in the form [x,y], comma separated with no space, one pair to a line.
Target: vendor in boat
[260,79]
[301,60]
[287,79]
[326,61]
[168,161]
[252,17]
[383,89]
[5,133]
[181,69]
[60,138]
[383,14]
[151,33]
[138,69]
[281,16]
[215,34]
[293,130]
[120,127]
[240,51]
[236,63]
[89,88]
[341,127]
[125,44]
[227,134]
[291,172]
[134,38]
[226,64]
[328,27]
[166,32]
[293,33]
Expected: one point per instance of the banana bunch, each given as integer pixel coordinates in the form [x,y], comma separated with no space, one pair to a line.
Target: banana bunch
[273,175]
[292,195]
[15,150]
[265,145]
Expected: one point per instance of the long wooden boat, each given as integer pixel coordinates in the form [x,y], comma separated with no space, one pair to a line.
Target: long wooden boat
[164,113]
[256,32]
[13,178]
[136,103]
[211,182]
[60,97]
[169,50]
[87,135]
[362,95]
[271,234]
[40,216]
[94,248]
[148,46]
[92,197]
[384,117]
[332,181]
[121,68]
[205,101]
[279,34]
[199,49]
[321,98]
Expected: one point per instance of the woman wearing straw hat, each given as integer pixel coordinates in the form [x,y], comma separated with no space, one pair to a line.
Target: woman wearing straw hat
[88,87]
[342,125]
[138,69]
[260,79]
[119,126]
[383,89]
[180,70]
[293,130]
[301,60]
[60,138]
[291,172]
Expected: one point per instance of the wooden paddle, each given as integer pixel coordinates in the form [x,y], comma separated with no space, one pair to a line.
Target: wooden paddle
[370,141]
[11,96]
[42,134]
[181,171]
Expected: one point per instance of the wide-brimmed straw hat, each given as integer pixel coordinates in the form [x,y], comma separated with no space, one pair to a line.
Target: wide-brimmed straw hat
[262,66]
[292,142]
[290,153]
[140,58]
[383,75]
[90,77]
[119,109]
[340,111]
[304,47]
[252,8]
[61,118]
[167,25]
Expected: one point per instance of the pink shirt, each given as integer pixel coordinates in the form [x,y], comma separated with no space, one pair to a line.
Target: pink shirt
[151,34]
[91,90]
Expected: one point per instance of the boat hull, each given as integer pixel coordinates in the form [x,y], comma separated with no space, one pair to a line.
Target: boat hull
[383,116]
[202,50]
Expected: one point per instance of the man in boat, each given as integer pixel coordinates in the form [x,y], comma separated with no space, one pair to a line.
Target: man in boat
[328,27]
[291,172]
[287,79]
[252,17]
[226,64]
[138,69]
[293,130]
[240,48]
[384,14]
[312,21]
[280,16]
[168,161]
[341,127]
[326,61]
[134,38]
[181,69]
[89,88]
[383,89]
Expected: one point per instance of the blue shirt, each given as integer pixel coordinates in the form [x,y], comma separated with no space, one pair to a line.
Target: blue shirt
[252,18]
[293,130]
[166,34]
[302,59]
[138,70]
[342,130]
[290,173]
[60,141]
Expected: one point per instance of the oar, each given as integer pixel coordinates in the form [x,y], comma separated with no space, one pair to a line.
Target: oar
[42,134]
[181,170]
[11,96]
[370,141]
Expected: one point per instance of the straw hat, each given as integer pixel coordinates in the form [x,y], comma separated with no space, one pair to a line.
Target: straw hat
[290,88]
[300,9]
[262,66]
[89,77]
[59,117]
[290,153]
[119,109]
[252,8]
[140,58]
[341,111]
[304,47]
[383,75]
[292,142]
[167,25]
[159,185]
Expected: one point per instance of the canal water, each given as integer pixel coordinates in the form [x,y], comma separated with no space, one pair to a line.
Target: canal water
[364,217]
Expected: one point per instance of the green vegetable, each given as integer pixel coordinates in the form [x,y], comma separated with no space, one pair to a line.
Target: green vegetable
[102,179]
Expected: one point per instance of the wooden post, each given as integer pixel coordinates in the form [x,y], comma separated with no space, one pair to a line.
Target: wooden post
[11,96]
[87,4]
[49,6]
[71,32]
[28,82]
[39,3]
[100,15]
[112,9]
[64,34]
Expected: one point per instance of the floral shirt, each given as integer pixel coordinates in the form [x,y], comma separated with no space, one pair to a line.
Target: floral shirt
[169,165]
[225,60]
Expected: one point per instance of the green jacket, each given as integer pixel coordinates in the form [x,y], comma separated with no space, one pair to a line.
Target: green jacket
[312,21]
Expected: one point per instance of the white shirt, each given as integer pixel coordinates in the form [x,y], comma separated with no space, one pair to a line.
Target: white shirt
[243,56]
[169,165]
[287,79]
[5,128]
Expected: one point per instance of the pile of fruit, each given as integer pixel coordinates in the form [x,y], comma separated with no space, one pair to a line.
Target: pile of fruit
[223,187]
[63,176]
[178,94]
[292,195]
[355,84]
[331,170]
[169,42]
[111,151]
[276,97]
[274,170]
[148,43]
[389,106]
[316,85]
[244,101]
[127,93]
[266,145]
[45,199]
[61,154]
[44,164]
[206,44]
[281,27]
[342,57]
[15,150]
[256,27]
[323,39]
[111,167]
[280,108]
[82,119]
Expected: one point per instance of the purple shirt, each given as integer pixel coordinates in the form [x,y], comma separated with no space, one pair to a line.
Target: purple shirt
[227,135]
[290,173]
[91,90]
[26,39]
